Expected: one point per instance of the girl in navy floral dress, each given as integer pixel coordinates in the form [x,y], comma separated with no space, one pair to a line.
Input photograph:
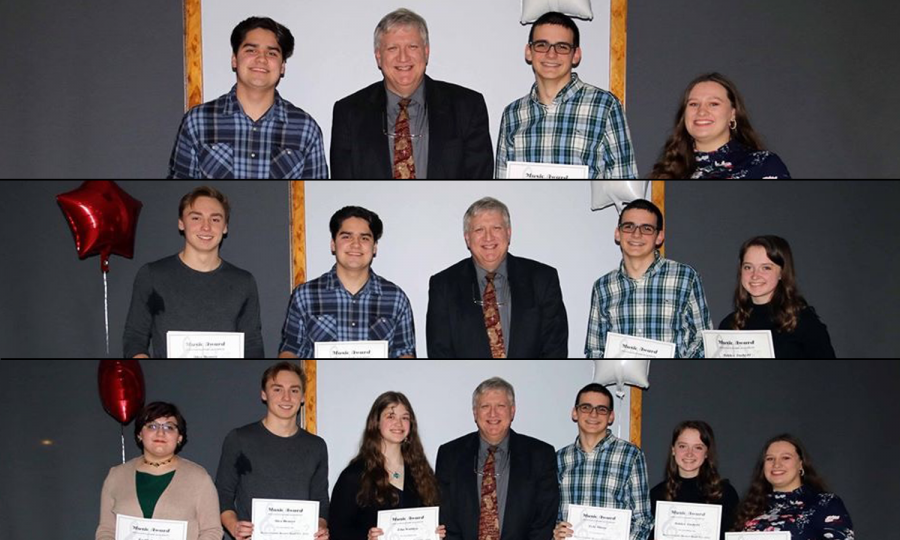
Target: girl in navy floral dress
[788,495]
[713,137]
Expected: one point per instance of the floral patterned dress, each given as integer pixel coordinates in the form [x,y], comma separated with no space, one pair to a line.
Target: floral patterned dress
[806,514]
[736,161]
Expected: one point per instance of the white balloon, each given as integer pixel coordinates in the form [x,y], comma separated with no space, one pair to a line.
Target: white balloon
[533,9]
[621,373]
[616,192]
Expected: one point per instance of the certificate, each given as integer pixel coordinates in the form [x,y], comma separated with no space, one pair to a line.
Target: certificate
[619,346]
[352,349]
[684,521]
[738,344]
[132,528]
[591,523]
[780,535]
[205,344]
[520,170]
[409,524]
[285,520]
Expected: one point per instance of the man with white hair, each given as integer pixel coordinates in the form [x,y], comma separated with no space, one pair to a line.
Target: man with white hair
[492,304]
[409,126]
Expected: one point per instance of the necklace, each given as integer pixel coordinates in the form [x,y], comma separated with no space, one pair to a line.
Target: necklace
[160,463]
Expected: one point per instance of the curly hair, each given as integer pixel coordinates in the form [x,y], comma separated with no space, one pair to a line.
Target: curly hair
[711,483]
[787,303]
[677,158]
[756,500]
[375,488]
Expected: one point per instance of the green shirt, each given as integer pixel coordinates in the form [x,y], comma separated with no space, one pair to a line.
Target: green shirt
[149,489]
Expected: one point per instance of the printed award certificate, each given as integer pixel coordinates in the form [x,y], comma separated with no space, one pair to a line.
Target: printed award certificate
[521,170]
[409,524]
[352,349]
[132,528]
[685,521]
[591,523]
[738,344]
[205,344]
[285,520]
[619,346]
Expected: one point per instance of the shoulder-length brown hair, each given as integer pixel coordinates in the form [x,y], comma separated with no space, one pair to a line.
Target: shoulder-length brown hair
[677,158]
[709,479]
[375,488]
[787,303]
[756,501]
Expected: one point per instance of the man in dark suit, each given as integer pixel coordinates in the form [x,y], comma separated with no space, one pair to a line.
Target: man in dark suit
[497,484]
[495,305]
[409,125]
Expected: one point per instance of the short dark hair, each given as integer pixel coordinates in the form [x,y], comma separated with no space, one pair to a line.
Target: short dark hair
[274,370]
[282,34]
[347,212]
[204,191]
[644,204]
[559,19]
[155,410]
[599,389]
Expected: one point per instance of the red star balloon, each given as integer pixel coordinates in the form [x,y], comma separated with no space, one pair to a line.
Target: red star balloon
[121,385]
[103,219]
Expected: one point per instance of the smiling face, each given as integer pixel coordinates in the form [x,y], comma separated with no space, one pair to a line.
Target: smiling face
[690,453]
[552,66]
[395,423]
[494,415]
[639,245]
[707,116]
[203,224]
[259,63]
[402,57]
[354,246]
[593,422]
[283,395]
[488,239]
[783,467]
[760,276]
[160,443]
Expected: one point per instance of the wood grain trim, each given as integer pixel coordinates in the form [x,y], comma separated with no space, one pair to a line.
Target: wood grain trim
[618,45]
[193,55]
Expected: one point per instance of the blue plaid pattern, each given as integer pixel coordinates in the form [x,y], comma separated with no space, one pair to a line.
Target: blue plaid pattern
[584,126]
[322,310]
[217,140]
[667,304]
[614,475]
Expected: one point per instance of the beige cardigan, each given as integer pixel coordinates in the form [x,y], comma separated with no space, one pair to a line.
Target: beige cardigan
[190,497]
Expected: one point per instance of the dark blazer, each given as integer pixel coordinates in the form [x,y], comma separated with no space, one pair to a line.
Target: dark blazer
[459,140]
[532,503]
[455,324]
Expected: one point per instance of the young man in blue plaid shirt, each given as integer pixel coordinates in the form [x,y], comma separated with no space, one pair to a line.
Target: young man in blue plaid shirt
[600,469]
[251,132]
[351,302]
[648,296]
[564,120]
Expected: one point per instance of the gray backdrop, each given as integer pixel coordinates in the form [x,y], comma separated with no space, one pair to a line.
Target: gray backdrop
[843,410]
[95,89]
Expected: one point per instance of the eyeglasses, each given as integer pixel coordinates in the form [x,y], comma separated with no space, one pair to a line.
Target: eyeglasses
[587,409]
[503,294]
[166,428]
[501,463]
[545,46]
[629,228]
[418,126]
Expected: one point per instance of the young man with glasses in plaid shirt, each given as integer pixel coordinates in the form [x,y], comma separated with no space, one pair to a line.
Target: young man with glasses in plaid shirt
[648,296]
[564,120]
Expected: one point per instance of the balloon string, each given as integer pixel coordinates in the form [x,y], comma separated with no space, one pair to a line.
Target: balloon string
[106,318]
[123,442]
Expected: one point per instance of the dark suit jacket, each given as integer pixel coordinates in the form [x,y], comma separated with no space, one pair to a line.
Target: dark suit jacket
[539,327]
[459,140]
[532,503]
